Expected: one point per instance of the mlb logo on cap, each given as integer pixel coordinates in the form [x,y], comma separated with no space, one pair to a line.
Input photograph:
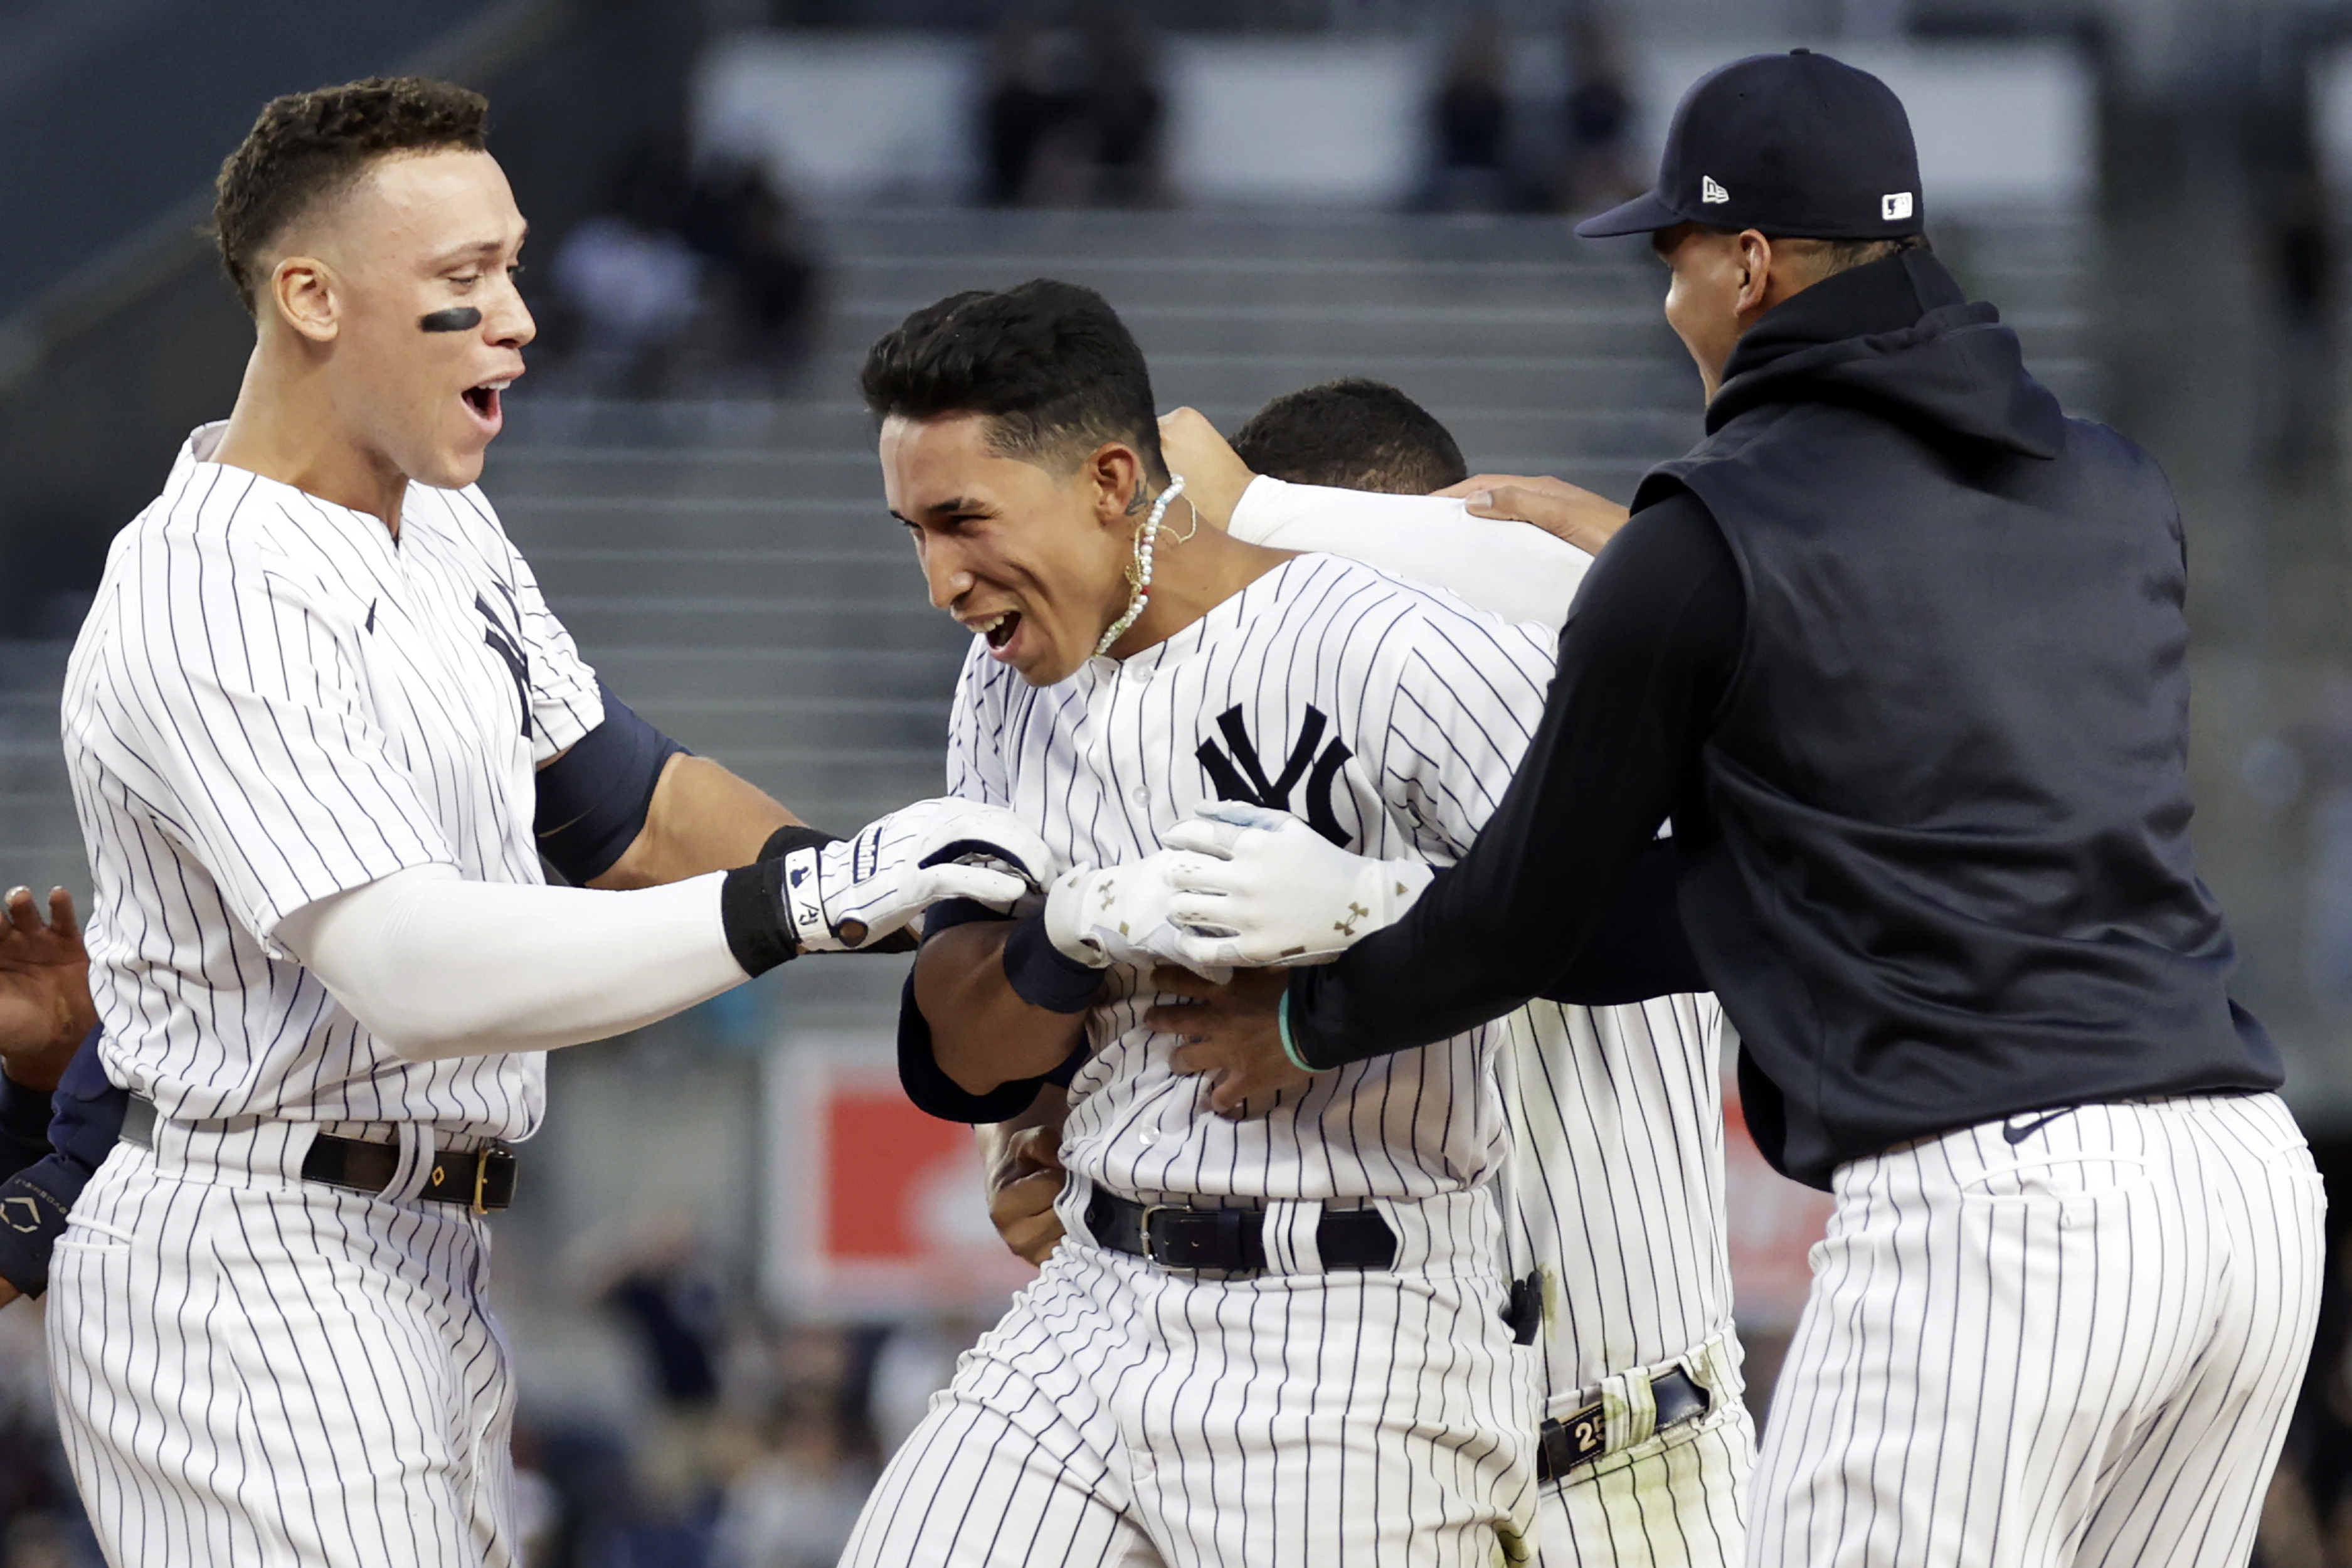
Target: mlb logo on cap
[1798,145]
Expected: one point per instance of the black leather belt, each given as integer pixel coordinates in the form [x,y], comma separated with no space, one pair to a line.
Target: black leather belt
[1233,1240]
[1582,1435]
[482,1180]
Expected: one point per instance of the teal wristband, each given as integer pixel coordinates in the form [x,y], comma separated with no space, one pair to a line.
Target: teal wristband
[1289,1046]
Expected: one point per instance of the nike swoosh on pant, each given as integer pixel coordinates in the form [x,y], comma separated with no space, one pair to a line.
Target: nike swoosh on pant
[2020,1134]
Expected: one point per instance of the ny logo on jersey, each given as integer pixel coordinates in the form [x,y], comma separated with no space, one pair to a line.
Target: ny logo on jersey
[508,646]
[1241,777]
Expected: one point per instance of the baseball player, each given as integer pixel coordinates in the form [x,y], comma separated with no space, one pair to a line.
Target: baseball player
[1900,647]
[1614,1190]
[1276,1338]
[322,728]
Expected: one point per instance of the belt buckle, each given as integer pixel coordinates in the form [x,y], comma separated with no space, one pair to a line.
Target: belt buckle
[1143,1230]
[482,1158]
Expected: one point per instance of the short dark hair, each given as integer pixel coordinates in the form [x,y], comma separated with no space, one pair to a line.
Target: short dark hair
[1352,434]
[309,146]
[1050,364]
[1832,256]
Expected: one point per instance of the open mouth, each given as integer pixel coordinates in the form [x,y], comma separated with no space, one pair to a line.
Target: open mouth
[999,631]
[484,400]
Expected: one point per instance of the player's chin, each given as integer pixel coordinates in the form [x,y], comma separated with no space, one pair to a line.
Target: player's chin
[454,462]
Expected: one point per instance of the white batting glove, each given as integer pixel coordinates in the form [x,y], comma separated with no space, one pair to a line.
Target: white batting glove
[1254,887]
[1115,915]
[855,892]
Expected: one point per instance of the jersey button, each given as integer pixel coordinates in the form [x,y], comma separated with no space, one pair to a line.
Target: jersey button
[1141,794]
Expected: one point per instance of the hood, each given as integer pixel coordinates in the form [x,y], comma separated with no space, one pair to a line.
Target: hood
[1899,339]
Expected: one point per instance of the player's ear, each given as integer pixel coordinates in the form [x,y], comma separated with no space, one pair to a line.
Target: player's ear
[1755,271]
[306,296]
[1115,473]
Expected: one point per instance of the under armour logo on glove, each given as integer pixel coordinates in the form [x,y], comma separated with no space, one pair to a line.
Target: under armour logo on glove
[1242,776]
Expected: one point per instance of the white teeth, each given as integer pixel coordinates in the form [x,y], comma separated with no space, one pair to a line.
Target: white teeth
[990,624]
[495,385]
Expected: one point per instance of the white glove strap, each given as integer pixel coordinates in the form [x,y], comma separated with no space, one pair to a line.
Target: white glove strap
[1067,905]
[804,901]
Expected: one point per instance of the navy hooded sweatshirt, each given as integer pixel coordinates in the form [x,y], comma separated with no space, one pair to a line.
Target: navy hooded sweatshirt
[1900,650]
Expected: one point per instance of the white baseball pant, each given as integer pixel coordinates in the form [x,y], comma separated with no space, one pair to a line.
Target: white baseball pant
[2070,1338]
[1126,1414]
[1675,1499]
[254,1369]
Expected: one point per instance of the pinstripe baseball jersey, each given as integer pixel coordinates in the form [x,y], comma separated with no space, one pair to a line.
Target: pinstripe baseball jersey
[1614,1188]
[1390,717]
[273,700]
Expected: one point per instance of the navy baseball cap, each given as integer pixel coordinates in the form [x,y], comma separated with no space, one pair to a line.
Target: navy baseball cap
[1797,146]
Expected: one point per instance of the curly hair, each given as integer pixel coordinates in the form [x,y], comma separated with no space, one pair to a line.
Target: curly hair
[309,146]
[1050,363]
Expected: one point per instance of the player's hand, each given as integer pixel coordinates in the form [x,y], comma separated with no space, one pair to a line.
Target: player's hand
[1215,475]
[1254,887]
[858,891]
[44,1005]
[1102,915]
[1566,511]
[1024,1178]
[1229,1035]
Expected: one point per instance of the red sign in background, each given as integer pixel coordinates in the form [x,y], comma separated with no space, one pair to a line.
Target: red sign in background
[874,1207]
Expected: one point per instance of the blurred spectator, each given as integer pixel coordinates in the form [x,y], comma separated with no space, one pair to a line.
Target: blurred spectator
[41,1523]
[1072,117]
[1021,109]
[632,284]
[793,1504]
[758,261]
[1471,123]
[694,276]
[1119,102]
[1597,117]
[914,1363]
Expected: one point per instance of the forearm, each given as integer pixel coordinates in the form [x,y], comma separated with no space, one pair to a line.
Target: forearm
[1643,663]
[1511,569]
[435,966]
[1049,1109]
[703,818]
[983,1035]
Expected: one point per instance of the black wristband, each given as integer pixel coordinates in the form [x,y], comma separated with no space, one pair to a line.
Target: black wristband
[751,900]
[1045,976]
[796,835]
[751,911]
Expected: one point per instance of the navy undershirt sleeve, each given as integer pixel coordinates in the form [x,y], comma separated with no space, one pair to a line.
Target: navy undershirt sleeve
[1645,659]
[593,799]
[932,1090]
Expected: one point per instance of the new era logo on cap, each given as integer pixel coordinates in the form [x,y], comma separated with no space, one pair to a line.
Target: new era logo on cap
[1895,207]
[1710,193]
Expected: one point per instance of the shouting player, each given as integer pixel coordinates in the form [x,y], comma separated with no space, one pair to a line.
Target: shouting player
[310,722]
[1276,1338]
[1614,1189]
